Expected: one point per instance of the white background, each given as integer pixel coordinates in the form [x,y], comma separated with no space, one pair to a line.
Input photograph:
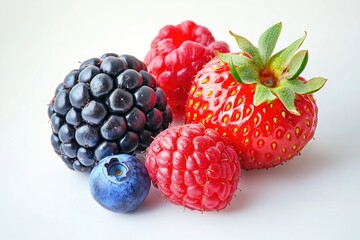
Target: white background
[315,196]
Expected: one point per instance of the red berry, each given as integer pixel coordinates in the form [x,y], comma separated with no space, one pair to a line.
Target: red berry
[193,167]
[266,112]
[176,55]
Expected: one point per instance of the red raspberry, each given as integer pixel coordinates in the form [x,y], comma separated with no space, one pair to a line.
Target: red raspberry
[193,167]
[176,55]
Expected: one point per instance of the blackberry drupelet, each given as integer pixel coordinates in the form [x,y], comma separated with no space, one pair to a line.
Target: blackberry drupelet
[109,105]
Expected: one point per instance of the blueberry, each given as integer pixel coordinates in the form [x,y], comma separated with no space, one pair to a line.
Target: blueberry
[79,95]
[56,122]
[133,62]
[120,101]
[129,79]
[101,85]
[161,100]
[145,98]
[113,66]
[71,79]
[87,135]
[69,149]
[154,119]
[120,183]
[148,79]
[135,119]
[94,112]
[105,55]
[113,128]
[88,73]
[90,62]
[129,142]
[106,149]
[73,117]
[86,156]
[62,102]
[66,133]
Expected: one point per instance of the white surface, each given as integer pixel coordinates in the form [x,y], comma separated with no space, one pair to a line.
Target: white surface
[315,196]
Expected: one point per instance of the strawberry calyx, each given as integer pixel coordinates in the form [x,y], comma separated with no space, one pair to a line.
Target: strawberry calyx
[276,76]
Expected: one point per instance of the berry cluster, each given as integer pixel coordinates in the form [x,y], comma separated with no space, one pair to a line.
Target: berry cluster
[109,105]
[243,110]
[259,105]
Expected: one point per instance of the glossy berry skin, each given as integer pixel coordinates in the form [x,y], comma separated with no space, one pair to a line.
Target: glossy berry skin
[193,167]
[110,105]
[177,53]
[264,135]
[120,183]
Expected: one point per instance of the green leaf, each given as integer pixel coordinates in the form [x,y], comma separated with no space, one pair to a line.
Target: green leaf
[297,65]
[279,62]
[234,72]
[250,49]
[263,94]
[307,87]
[238,59]
[287,97]
[248,74]
[224,57]
[268,40]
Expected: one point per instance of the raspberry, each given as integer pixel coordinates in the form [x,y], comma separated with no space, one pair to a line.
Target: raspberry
[109,105]
[193,167]
[176,55]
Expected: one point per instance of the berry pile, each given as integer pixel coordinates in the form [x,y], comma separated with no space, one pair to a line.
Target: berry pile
[109,105]
[256,101]
[245,110]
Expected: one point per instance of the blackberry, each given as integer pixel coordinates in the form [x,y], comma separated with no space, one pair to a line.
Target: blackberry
[110,105]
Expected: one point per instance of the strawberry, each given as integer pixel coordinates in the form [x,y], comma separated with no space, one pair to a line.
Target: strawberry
[257,100]
[193,167]
[177,53]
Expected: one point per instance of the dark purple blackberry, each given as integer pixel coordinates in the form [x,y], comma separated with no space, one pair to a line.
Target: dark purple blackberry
[109,105]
